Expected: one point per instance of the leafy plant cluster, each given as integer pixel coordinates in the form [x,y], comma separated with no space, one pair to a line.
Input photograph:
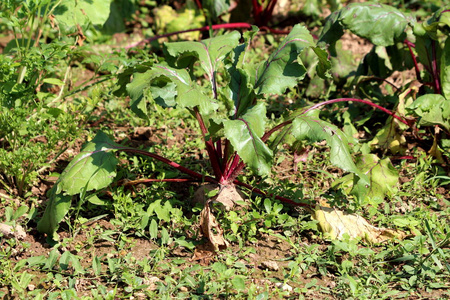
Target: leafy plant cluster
[232,116]
[37,73]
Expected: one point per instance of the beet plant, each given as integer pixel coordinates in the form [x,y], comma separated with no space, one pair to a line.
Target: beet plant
[218,83]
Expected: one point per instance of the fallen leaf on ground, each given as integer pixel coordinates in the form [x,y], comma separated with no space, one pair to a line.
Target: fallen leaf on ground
[228,196]
[204,254]
[151,283]
[211,229]
[335,223]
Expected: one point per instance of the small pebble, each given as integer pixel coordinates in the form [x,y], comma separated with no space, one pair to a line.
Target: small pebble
[270,265]
[284,287]
[9,231]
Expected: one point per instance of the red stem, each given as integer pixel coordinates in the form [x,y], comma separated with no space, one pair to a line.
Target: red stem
[358,100]
[199,4]
[236,170]
[266,136]
[212,152]
[269,11]
[206,28]
[282,199]
[219,151]
[416,65]
[257,10]
[170,163]
[226,157]
[230,171]
[434,68]
[402,157]
[133,182]
[202,177]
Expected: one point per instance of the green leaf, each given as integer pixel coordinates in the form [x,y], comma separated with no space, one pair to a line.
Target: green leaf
[64,260]
[57,207]
[153,230]
[77,267]
[240,89]
[167,84]
[381,24]
[423,45]
[120,12]
[36,260]
[244,134]
[445,70]
[427,34]
[324,64]
[433,109]
[238,282]
[440,20]
[54,81]
[382,175]
[163,212]
[82,12]
[216,7]
[284,69]
[20,212]
[210,52]
[256,118]
[136,90]
[312,8]
[268,205]
[9,212]
[315,130]
[52,258]
[67,258]
[96,265]
[93,168]
[94,199]
[189,93]
[164,95]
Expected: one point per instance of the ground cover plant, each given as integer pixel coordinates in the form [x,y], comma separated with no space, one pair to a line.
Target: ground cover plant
[119,221]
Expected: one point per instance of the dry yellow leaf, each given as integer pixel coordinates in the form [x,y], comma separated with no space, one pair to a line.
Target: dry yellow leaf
[335,223]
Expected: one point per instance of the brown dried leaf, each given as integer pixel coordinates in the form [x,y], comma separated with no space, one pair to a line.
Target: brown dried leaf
[211,229]
[228,195]
[204,254]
